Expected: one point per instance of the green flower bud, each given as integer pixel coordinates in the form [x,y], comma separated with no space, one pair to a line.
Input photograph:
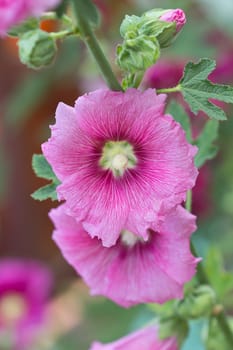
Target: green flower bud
[37,49]
[173,327]
[137,53]
[199,303]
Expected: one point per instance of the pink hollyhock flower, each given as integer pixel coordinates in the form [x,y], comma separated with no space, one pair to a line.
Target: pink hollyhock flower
[132,271]
[12,12]
[122,163]
[174,15]
[144,339]
[24,290]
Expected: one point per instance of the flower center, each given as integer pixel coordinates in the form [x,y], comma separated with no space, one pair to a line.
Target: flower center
[13,307]
[129,239]
[118,156]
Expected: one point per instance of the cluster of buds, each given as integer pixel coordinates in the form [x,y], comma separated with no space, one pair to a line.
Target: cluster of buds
[144,37]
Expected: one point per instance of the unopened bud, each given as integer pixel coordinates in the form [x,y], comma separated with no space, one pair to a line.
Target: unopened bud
[37,49]
[198,303]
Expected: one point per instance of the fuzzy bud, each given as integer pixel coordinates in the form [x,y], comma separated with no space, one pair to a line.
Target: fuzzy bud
[37,49]
[199,303]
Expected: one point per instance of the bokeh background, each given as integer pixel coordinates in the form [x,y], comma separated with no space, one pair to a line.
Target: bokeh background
[28,102]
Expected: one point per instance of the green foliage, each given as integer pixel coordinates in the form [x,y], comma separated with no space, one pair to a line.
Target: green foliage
[206,148]
[179,114]
[221,280]
[197,89]
[30,24]
[45,192]
[173,326]
[43,170]
[89,9]
[216,339]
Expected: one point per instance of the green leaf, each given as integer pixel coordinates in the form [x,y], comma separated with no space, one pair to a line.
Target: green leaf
[29,24]
[61,9]
[178,113]
[206,149]
[42,168]
[90,12]
[221,280]
[48,191]
[197,89]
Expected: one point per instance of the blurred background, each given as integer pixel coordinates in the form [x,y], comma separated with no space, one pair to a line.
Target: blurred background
[28,102]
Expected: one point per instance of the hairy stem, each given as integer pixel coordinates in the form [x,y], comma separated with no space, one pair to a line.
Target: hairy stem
[174,89]
[93,45]
[203,279]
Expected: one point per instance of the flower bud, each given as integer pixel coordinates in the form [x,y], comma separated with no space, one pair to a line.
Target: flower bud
[198,303]
[138,53]
[173,327]
[37,49]
[165,24]
[176,16]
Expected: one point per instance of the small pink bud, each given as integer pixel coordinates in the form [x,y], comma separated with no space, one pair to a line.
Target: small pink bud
[177,16]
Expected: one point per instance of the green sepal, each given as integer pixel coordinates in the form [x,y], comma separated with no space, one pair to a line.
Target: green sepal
[205,142]
[197,89]
[37,49]
[31,23]
[137,53]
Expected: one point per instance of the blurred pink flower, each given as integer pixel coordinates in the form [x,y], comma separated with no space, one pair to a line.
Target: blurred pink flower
[144,339]
[174,15]
[12,12]
[122,163]
[164,74]
[133,271]
[24,290]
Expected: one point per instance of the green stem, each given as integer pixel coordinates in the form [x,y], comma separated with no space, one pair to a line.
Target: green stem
[63,34]
[203,279]
[93,45]
[174,89]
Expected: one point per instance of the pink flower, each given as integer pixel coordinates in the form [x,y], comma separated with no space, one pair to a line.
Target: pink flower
[24,290]
[175,15]
[143,339]
[12,12]
[122,163]
[132,271]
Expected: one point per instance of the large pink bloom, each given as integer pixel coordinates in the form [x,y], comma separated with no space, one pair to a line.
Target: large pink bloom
[14,11]
[143,339]
[25,287]
[133,271]
[107,204]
